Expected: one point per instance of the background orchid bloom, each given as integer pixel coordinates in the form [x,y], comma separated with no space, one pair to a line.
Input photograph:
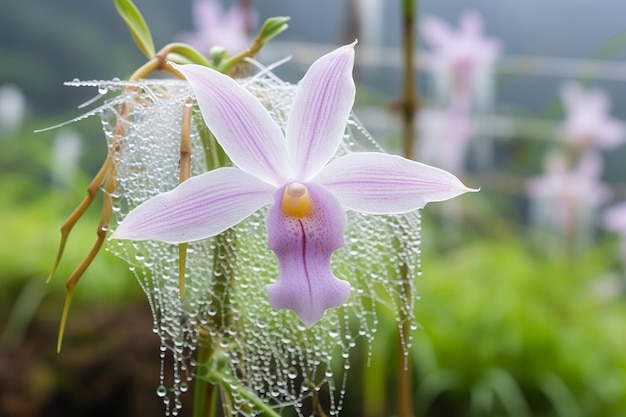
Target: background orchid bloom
[569,197]
[307,195]
[588,123]
[461,53]
[462,63]
[215,26]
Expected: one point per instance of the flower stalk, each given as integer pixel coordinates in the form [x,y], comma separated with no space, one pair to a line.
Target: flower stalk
[410,102]
[185,173]
[410,99]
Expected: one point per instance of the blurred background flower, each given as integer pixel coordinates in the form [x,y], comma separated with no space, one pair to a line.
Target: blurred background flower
[216,26]
[588,124]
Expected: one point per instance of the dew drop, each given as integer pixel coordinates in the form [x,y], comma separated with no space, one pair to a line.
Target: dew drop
[161,391]
[212,310]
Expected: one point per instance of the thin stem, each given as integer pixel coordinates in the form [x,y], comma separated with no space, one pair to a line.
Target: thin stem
[410,98]
[404,380]
[410,101]
[317,406]
[205,398]
[249,52]
[185,172]
[66,228]
[233,386]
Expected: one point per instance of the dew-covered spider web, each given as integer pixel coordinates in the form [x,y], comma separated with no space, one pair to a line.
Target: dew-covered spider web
[225,310]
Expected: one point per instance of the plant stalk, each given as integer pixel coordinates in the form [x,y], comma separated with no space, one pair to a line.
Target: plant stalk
[409,105]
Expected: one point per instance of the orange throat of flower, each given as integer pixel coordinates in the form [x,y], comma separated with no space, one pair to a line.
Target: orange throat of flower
[297,201]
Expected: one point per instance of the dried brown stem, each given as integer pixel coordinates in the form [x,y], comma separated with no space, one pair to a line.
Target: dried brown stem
[68,225]
[185,172]
[106,176]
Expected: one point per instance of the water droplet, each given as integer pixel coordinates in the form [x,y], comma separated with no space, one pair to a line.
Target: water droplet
[212,310]
[161,391]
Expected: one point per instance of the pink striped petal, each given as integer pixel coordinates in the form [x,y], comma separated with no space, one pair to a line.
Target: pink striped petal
[320,111]
[380,183]
[201,207]
[246,131]
[303,247]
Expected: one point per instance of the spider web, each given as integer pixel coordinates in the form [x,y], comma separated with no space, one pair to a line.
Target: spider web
[225,308]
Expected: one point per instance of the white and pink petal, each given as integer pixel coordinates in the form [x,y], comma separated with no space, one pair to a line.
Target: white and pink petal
[240,123]
[320,111]
[380,183]
[201,207]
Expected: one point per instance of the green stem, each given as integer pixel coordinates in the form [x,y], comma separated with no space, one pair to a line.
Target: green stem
[233,386]
[408,8]
[204,390]
[213,152]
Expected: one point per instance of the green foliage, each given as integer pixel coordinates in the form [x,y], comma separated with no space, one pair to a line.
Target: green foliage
[273,27]
[509,332]
[137,26]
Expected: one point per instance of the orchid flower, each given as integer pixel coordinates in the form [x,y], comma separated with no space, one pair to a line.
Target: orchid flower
[291,173]
[569,194]
[461,54]
[217,27]
[462,63]
[588,123]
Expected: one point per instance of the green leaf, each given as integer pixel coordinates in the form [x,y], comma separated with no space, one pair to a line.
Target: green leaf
[137,26]
[273,27]
[185,54]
